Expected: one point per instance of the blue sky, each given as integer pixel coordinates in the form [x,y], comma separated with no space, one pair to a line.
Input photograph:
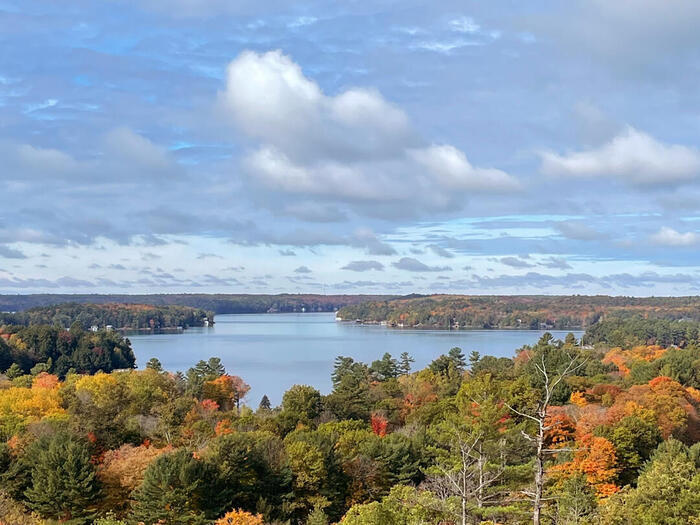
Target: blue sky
[350,147]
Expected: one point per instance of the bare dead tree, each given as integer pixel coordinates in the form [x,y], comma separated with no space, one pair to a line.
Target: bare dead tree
[465,475]
[551,380]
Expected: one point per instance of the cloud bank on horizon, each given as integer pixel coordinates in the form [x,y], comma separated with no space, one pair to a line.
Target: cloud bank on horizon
[214,146]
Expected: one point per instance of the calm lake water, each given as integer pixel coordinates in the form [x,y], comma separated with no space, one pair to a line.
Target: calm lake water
[272,352]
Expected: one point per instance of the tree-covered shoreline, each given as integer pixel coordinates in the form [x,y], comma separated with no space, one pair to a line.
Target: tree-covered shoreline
[117,316]
[575,312]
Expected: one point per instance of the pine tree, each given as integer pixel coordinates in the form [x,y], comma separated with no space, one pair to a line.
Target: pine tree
[14,371]
[178,489]
[264,405]
[317,517]
[154,364]
[405,362]
[63,479]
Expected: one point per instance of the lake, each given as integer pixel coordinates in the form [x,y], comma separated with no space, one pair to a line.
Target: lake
[272,352]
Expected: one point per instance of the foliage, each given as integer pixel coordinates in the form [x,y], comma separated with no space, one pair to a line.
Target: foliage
[62,351]
[608,436]
[239,517]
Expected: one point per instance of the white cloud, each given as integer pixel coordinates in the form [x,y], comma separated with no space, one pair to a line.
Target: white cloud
[464,24]
[632,156]
[354,146]
[451,168]
[670,237]
[445,46]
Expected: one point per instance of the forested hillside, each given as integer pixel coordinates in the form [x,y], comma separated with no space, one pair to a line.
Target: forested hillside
[559,434]
[217,303]
[117,315]
[525,311]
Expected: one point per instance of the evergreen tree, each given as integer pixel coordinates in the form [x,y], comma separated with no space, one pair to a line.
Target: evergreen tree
[350,398]
[317,517]
[455,354]
[14,371]
[63,478]
[202,372]
[178,489]
[405,362]
[265,405]
[474,358]
[385,368]
[154,364]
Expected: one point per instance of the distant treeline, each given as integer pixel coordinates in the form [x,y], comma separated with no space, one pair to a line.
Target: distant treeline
[57,351]
[533,312]
[631,332]
[217,303]
[119,316]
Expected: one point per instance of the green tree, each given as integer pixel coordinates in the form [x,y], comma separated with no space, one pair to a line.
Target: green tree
[265,405]
[63,478]
[317,517]
[350,398]
[405,363]
[403,506]
[202,372]
[251,468]
[154,364]
[385,368]
[667,492]
[635,438]
[14,371]
[301,404]
[178,489]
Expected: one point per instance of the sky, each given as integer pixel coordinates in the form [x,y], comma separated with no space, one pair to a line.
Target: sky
[230,146]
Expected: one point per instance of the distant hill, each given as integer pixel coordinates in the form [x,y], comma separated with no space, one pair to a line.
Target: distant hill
[217,303]
[517,311]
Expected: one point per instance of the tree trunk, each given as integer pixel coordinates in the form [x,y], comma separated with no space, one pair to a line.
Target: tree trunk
[464,510]
[480,495]
[539,474]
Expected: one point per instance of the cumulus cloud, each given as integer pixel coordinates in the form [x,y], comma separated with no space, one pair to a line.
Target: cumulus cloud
[302,269]
[631,156]
[354,147]
[363,266]
[414,265]
[669,237]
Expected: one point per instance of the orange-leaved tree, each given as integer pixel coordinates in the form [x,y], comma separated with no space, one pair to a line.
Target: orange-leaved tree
[240,517]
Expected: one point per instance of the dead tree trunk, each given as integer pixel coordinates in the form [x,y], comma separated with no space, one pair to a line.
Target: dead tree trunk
[551,379]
